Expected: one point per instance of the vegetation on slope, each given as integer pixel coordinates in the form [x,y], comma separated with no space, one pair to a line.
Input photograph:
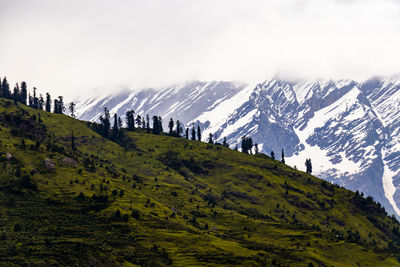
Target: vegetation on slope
[162,200]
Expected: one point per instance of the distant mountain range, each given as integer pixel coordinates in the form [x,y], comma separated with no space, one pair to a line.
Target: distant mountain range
[349,129]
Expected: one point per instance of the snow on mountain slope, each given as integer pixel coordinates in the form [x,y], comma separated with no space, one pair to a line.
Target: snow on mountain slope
[183,101]
[384,96]
[217,116]
[350,130]
[329,116]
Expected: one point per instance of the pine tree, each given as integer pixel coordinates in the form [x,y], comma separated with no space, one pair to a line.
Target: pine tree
[148,123]
[193,132]
[40,102]
[55,106]
[138,121]
[72,109]
[210,138]
[16,93]
[143,123]
[115,127]
[61,107]
[23,93]
[283,156]
[308,166]
[48,102]
[130,120]
[272,155]
[5,89]
[30,100]
[35,103]
[119,123]
[247,144]
[256,151]
[178,128]
[157,125]
[105,123]
[160,124]
[187,133]
[198,133]
[171,126]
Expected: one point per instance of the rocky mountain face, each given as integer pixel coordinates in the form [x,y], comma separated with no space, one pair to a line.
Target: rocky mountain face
[350,130]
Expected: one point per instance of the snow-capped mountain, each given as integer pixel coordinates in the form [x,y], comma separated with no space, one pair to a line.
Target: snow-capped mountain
[350,130]
[184,101]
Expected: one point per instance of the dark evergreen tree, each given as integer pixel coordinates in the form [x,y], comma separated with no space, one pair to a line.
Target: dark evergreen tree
[193,132]
[256,151]
[35,103]
[187,133]
[178,128]
[157,125]
[55,106]
[143,123]
[198,133]
[247,144]
[16,93]
[148,123]
[59,107]
[115,127]
[243,144]
[138,121]
[5,89]
[72,109]
[160,124]
[119,123]
[30,99]
[130,120]
[61,104]
[272,155]
[283,156]
[40,102]
[171,126]
[48,102]
[210,138]
[24,93]
[105,123]
[236,148]
[308,166]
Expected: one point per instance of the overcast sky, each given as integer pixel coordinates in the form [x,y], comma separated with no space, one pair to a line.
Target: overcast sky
[70,47]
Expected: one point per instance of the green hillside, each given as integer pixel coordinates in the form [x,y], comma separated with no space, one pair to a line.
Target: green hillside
[162,200]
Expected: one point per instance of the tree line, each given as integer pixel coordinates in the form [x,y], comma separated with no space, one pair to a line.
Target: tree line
[140,122]
[21,95]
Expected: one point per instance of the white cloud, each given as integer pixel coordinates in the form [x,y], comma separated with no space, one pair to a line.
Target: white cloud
[73,46]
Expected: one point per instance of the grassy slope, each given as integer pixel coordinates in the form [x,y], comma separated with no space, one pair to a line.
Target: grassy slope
[236,195]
